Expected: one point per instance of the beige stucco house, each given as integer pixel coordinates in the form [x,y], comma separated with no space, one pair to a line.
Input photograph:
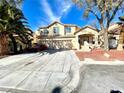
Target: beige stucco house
[67,36]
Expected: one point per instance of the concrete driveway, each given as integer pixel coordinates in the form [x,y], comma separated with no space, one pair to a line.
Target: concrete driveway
[45,72]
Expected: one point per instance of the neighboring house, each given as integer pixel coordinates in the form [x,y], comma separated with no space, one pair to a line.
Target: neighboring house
[116,36]
[68,36]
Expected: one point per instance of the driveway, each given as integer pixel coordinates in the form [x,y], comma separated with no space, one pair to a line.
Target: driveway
[45,72]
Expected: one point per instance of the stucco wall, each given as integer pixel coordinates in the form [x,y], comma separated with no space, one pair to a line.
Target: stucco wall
[61,29]
[88,31]
[83,32]
[37,32]
[73,30]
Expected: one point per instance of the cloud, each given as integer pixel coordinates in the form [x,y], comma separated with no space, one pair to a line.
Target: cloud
[47,10]
[62,9]
[65,7]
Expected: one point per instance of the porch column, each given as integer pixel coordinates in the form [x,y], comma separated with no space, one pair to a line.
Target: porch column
[121,40]
[77,42]
[96,40]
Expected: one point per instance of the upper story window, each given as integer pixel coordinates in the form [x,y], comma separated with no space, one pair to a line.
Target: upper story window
[56,30]
[45,32]
[68,29]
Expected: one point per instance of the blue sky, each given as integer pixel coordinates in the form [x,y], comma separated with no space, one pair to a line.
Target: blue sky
[43,12]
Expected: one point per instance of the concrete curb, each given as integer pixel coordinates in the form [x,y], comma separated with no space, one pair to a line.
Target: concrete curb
[74,76]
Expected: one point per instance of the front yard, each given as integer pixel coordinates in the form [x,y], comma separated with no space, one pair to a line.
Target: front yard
[101,55]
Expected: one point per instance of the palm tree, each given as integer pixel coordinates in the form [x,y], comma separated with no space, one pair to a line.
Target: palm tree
[14,3]
[18,27]
[3,30]
[12,22]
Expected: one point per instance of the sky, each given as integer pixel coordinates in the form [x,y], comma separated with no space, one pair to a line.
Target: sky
[43,12]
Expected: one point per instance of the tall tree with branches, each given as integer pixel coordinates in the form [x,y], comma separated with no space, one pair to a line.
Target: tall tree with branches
[104,11]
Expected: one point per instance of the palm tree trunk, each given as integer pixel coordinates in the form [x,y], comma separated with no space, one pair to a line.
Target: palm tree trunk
[4,44]
[14,43]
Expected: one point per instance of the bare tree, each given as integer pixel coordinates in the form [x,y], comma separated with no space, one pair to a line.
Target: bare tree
[104,11]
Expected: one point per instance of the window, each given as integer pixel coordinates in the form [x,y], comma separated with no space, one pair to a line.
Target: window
[56,30]
[68,29]
[45,32]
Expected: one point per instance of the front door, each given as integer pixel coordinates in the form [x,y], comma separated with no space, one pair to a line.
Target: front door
[85,40]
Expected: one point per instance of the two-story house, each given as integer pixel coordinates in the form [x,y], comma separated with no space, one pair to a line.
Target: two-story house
[57,35]
[66,36]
